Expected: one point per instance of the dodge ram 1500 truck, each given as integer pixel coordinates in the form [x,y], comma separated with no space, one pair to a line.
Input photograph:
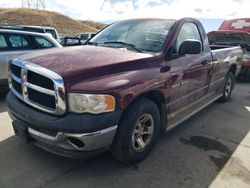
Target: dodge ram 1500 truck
[116,93]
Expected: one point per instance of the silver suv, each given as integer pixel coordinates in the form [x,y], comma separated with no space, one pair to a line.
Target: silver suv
[37,29]
[14,43]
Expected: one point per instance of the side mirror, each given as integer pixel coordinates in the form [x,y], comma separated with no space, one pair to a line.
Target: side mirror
[190,47]
[71,41]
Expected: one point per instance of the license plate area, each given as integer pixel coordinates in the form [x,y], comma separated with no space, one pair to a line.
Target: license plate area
[21,130]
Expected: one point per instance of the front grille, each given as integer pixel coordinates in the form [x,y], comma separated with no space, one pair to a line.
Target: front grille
[37,86]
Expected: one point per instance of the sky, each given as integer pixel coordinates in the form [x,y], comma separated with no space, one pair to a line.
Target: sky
[210,12]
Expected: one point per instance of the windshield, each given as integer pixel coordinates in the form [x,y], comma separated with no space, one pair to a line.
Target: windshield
[142,35]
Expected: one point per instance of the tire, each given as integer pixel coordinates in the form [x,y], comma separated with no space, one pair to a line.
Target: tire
[131,145]
[228,87]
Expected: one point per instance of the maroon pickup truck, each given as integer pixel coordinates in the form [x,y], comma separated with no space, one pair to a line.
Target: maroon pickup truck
[133,79]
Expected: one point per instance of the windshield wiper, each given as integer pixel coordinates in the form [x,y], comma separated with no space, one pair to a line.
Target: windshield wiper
[125,44]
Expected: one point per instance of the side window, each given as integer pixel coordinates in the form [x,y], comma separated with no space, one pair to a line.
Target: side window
[18,42]
[42,42]
[188,31]
[3,44]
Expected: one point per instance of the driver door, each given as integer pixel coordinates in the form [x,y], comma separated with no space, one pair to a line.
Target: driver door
[190,73]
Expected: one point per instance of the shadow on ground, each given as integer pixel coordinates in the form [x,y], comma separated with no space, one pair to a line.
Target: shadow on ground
[191,155]
[3,106]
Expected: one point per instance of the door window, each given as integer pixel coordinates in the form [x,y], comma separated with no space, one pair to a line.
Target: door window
[18,41]
[188,31]
[42,42]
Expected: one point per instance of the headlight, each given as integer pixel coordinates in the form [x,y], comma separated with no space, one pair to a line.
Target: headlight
[95,104]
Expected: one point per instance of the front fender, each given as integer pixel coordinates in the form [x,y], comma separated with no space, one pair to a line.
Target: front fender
[125,87]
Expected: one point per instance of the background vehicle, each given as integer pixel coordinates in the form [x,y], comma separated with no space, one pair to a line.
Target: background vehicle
[232,33]
[37,29]
[70,41]
[85,36]
[116,93]
[14,43]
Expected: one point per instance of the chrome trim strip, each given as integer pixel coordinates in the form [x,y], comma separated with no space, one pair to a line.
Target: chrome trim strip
[93,133]
[42,135]
[92,141]
[40,89]
[15,92]
[15,78]
[24,75]
[59,89]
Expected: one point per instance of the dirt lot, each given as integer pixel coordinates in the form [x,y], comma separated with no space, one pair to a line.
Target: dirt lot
[210,149]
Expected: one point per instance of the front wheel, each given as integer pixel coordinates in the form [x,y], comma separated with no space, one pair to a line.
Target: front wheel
[228,87]
[137,132]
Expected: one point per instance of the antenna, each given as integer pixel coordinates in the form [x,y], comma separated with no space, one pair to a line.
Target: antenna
[37,4]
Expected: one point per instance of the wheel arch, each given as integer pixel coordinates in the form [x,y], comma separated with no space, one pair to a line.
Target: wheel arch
[158,98]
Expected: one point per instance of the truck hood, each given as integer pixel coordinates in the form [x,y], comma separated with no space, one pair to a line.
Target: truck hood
[229,37]
[87,62]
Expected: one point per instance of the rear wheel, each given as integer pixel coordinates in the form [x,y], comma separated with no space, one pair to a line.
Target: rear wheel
[137,132]
[228,87]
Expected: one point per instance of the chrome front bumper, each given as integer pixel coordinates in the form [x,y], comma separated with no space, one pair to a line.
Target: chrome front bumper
[77,142]
[73,135]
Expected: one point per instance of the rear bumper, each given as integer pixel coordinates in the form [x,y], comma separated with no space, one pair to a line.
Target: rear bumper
[73,135]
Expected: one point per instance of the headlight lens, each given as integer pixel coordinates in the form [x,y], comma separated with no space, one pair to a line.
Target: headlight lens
[80,103]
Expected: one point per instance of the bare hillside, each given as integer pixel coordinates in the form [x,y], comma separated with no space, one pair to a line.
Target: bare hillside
[62,23]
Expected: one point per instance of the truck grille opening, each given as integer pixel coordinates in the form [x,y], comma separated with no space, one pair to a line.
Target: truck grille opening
[17,86]
[40,80]
[37,87]
[41,98]
[15,70]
